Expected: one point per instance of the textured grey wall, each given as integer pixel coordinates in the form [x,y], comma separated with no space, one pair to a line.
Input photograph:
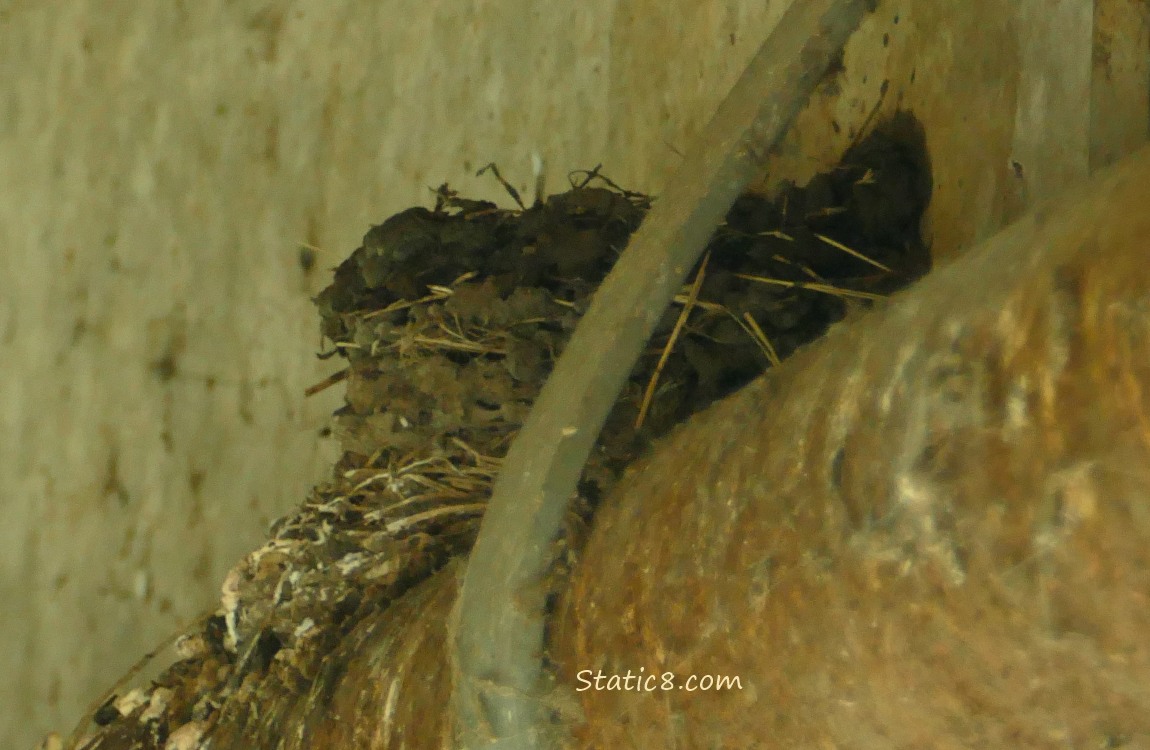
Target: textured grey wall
[161,164]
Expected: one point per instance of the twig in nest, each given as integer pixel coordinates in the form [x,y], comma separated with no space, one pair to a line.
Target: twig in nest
[692,296]
[705,306]
[485,335]
[855,253]
[506,185]
[438,293]
[751,326]
[823,238]
[835,291]
[327,382]
[483,463]
[469,509]
[590,175]
[465,345]
[827,211]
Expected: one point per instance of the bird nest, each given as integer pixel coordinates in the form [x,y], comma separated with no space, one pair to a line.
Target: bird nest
[450,319]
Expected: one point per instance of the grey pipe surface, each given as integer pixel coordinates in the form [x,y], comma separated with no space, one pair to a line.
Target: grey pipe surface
[498,640]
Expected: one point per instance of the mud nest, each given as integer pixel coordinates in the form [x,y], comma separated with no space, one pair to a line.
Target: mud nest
[450,319]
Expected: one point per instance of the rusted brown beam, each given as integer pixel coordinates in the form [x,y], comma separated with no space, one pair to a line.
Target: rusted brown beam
[930,529]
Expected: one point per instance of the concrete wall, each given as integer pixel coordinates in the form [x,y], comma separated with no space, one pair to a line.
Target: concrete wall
[162,165]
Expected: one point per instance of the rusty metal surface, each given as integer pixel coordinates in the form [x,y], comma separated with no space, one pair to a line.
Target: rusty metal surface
[929,529]
[388,685]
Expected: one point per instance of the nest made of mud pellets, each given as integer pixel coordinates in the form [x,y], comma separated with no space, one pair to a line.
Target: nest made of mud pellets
[450,320]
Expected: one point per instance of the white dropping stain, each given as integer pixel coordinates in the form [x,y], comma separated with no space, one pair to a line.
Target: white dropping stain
[141,584]
[53,741]
[902,361]
[305,627]
[132,700]
[191,646]
[389,707]
[230,600]
[920,502]
[186,737]
[157,705]
[539,178]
